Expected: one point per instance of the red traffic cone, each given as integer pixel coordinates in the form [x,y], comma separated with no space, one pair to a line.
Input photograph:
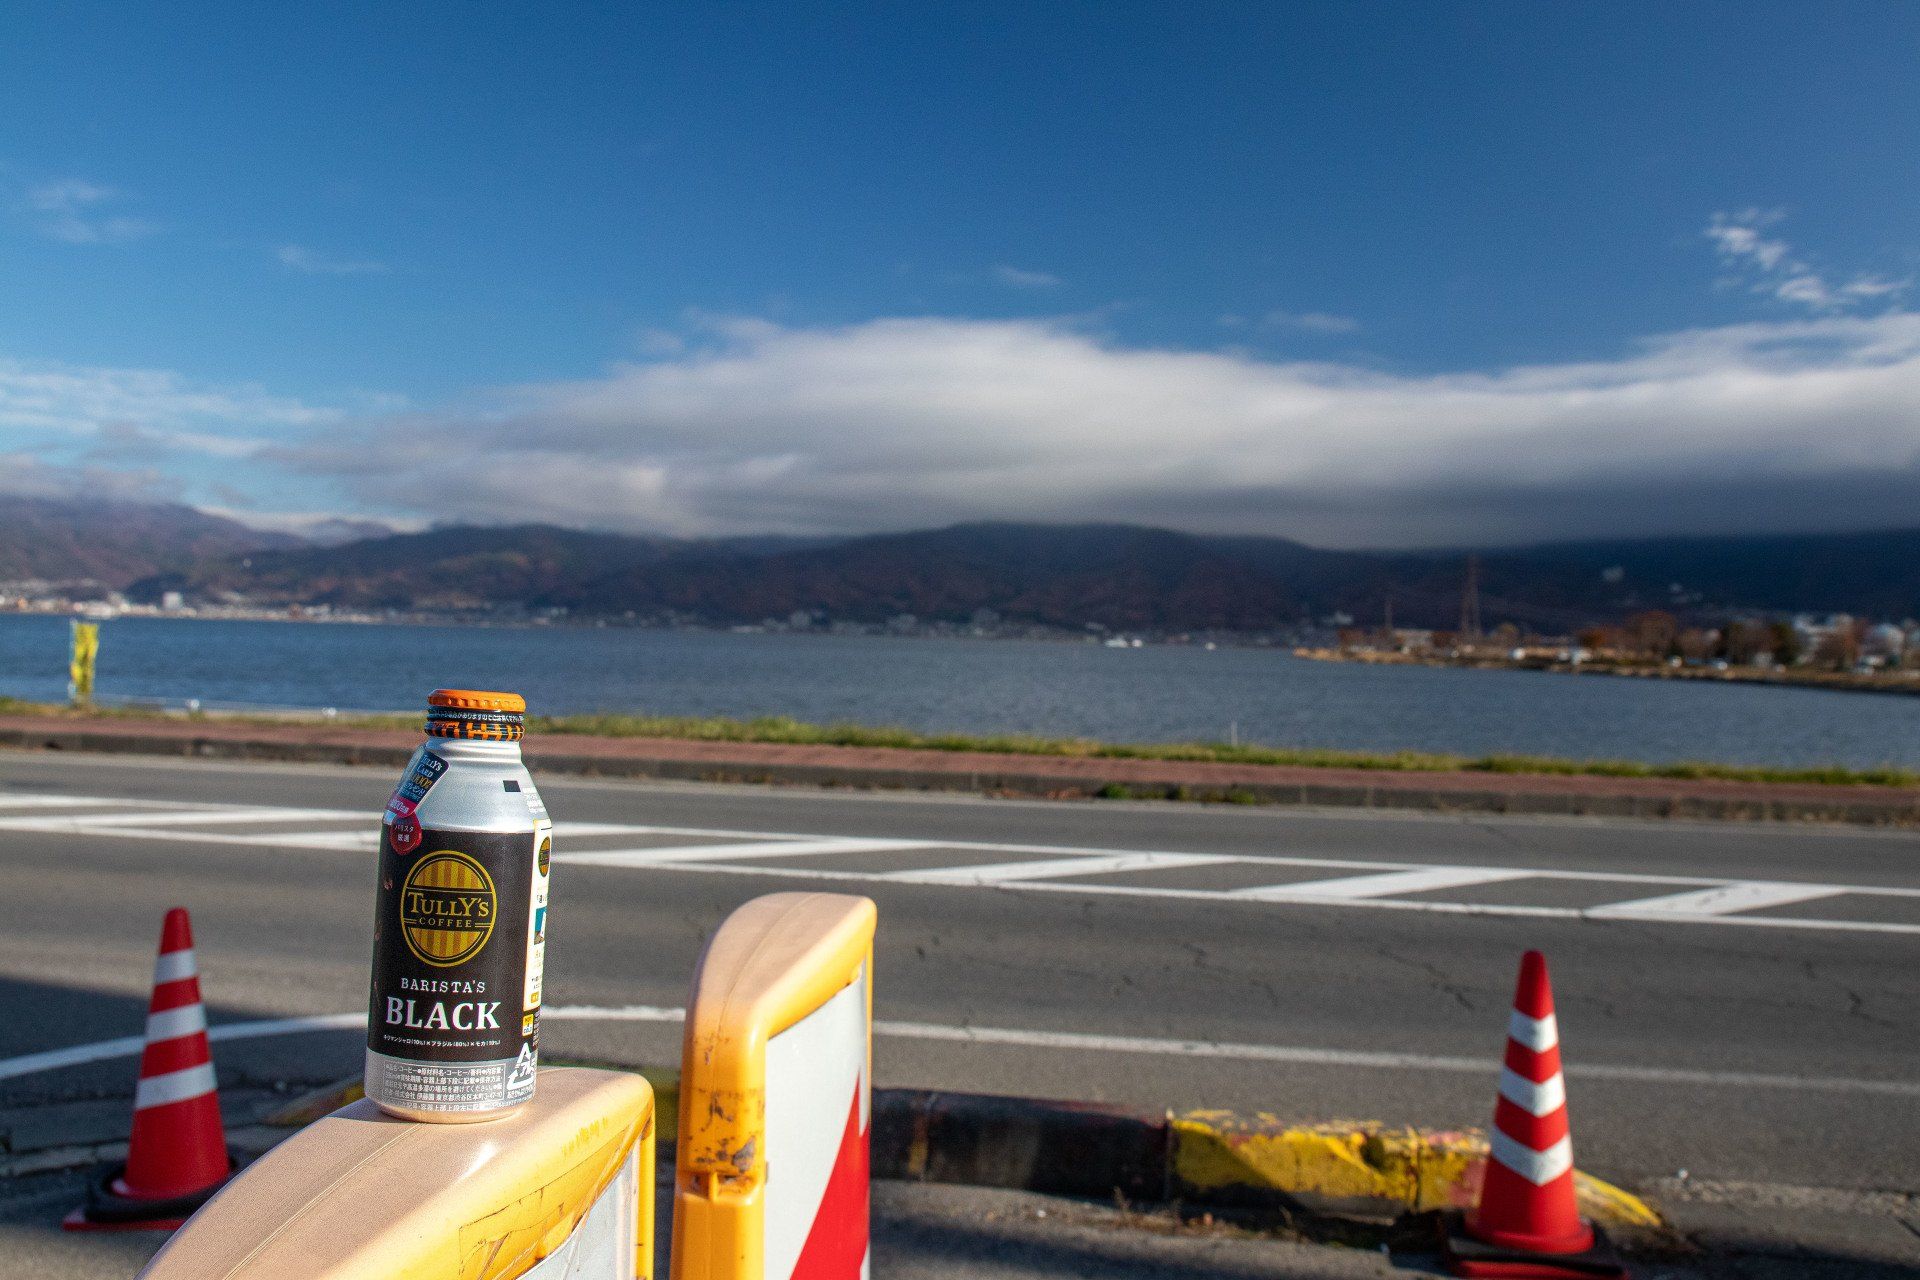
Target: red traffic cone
[1527,1222]
[177,1156]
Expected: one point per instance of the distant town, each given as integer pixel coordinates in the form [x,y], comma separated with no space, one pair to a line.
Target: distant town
[1830,650]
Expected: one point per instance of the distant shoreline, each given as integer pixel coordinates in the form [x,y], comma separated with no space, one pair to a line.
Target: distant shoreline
[1038,632]
[783,731]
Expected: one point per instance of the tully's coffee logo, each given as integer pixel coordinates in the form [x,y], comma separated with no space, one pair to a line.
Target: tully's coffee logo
[546,854]
[447,906]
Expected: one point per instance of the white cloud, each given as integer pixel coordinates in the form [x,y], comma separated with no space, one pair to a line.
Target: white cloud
[87,401]
[26,475]
[1015,278]
[909,422]
[1310,321]
[76,211]
[328,527]
[301,258]
[1769,266]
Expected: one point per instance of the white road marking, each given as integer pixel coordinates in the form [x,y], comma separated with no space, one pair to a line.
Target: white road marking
[352,841]
[676,855]
[1076,1041]
[1747,895]
[1690,900]
[1386,885]
[87,823]
[1048,868]
[55,801]
[128,1046]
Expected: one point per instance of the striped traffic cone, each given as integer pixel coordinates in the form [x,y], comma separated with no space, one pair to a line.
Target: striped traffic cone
[1527,1222]
[177,1156]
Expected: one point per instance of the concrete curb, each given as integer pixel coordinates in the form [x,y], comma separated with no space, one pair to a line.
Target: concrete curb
[1204,1159]
[1038,776]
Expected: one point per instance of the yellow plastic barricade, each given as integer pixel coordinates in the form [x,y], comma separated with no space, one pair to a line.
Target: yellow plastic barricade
[775,1092]
[561,1190]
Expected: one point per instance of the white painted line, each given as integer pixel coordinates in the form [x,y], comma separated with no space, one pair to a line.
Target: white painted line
[91,821]
[1390,1061]
[128,1046]
[1514,911]
[365,840]
[1050,868]
[678,854]
[1372,865]
[1747,895]
[1701,900]
[62,800]
[1077,1041]
[1385,885]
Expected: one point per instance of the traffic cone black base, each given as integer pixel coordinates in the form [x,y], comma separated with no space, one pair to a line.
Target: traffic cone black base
[1465,1256]
[108,1210]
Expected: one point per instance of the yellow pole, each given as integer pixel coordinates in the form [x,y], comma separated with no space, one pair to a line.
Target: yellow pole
[86,650]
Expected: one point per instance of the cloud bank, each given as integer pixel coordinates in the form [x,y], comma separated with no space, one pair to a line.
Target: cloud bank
[899,423]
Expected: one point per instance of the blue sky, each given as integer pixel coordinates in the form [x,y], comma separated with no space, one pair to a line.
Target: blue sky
[1360,273]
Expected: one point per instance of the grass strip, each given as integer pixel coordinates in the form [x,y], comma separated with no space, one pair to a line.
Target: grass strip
[782,729]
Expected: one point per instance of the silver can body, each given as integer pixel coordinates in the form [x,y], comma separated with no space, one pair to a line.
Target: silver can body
[459,935]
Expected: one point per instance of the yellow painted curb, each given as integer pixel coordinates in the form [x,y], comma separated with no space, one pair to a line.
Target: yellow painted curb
[1217,1151]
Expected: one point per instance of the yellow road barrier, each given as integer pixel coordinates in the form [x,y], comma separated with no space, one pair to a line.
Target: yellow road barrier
[775,1095]
[563,1187]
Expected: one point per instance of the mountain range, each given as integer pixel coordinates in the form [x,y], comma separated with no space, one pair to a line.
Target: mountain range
[1118,576]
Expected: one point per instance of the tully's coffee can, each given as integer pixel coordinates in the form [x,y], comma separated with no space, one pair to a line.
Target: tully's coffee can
[460,919]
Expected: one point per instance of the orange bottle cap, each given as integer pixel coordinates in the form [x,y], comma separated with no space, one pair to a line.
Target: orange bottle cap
[477,700]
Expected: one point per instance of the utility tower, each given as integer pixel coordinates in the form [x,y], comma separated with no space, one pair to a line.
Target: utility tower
[1470,601]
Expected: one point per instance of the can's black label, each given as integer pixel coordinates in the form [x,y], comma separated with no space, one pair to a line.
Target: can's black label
[451,949]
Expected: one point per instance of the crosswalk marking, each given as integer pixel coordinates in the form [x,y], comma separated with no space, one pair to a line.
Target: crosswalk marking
[1748,895]
[364,840]
[53,802]
[1048,868]
[733,852]
[1386,885]
[1346,882]
[92,821]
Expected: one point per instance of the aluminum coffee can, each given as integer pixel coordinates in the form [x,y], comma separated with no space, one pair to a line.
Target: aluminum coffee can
[460,919]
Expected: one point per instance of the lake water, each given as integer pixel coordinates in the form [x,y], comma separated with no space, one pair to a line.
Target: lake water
[1140,695]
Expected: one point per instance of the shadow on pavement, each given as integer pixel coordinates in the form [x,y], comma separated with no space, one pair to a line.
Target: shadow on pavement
[43,1016]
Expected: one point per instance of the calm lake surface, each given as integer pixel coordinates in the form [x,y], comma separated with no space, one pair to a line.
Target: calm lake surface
[1138,695]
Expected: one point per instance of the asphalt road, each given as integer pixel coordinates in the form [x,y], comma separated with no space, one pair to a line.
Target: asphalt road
[1725,1025]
